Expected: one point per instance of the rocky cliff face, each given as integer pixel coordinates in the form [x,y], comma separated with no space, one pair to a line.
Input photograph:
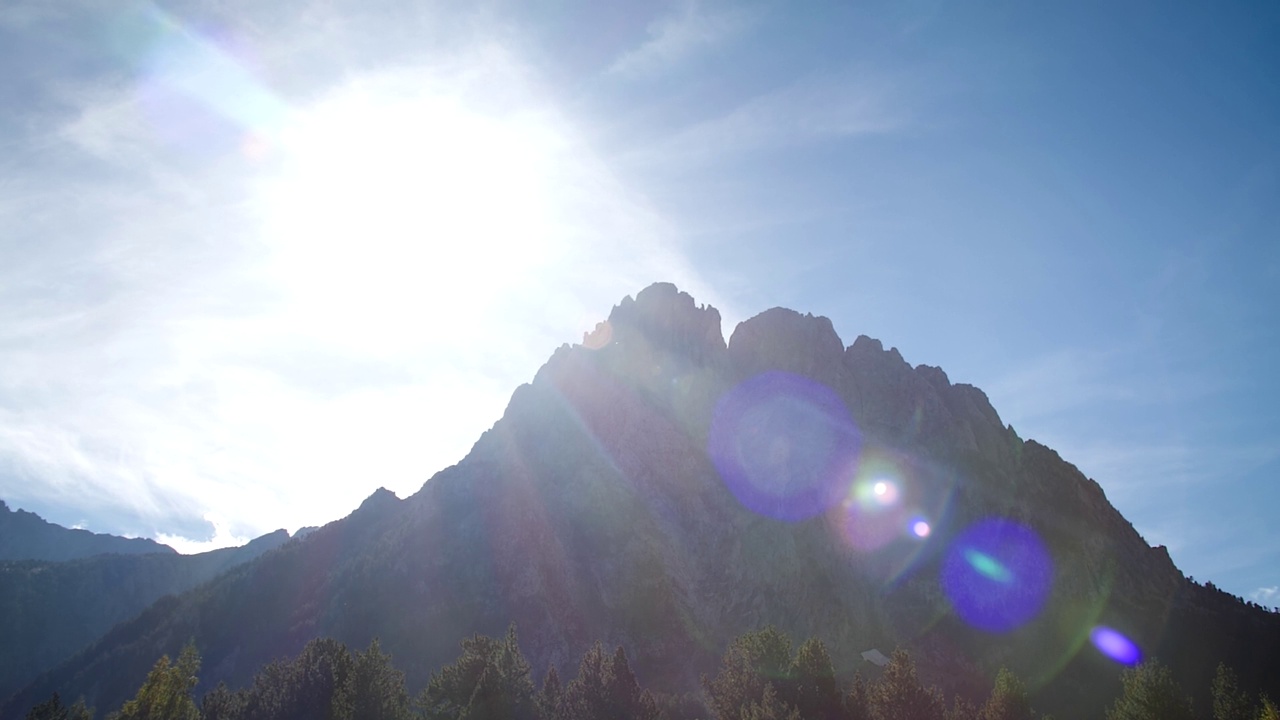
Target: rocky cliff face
[656,488]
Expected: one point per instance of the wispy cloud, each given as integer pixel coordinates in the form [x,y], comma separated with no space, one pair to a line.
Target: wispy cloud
[691,29]
[829,107]
[197,348]
[1266,595]
[1057,383]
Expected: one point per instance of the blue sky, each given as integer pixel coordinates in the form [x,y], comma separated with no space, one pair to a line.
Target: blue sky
[258,259]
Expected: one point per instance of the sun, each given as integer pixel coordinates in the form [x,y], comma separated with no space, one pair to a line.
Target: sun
[385,206]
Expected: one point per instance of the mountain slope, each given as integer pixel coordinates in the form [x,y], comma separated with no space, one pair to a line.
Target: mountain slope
[658,488]
[27,536]
[50,610]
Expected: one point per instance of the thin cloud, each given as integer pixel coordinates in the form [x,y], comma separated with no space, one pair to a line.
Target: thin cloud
[843,106]
[676,37]
[1132,472]
[1048,387]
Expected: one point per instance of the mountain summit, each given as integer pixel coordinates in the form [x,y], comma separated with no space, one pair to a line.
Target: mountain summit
[657,488]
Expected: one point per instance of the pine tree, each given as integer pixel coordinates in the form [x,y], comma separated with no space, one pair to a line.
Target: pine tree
[1229,701]
[606,688]
[1149,693]
[316,685]
[166,693]
[547,701]
[1268,710]
[962,709]
[376,690]
[752,662]
[770,707]
[491,680]
[813,683]
[1008,700]
[53,709]
[222,704]
[623,691]
[900,696]
[857,703]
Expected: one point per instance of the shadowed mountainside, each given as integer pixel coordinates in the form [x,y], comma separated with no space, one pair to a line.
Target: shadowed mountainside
[612,502]
[27,536]
[50,610]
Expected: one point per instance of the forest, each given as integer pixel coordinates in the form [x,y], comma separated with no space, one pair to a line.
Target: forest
[761,677]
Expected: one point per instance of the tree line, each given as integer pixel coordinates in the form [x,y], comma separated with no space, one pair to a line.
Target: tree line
[761,677]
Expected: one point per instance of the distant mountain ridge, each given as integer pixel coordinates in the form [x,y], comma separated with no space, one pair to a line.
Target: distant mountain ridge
[27,536]
[607,504]
[51,609]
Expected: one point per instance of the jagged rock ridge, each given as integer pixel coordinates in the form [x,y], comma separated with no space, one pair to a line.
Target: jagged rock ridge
[592,511]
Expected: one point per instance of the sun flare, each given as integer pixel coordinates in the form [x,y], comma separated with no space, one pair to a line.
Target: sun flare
[383,207]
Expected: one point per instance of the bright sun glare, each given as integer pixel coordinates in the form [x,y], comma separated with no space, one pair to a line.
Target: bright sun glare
[383,208]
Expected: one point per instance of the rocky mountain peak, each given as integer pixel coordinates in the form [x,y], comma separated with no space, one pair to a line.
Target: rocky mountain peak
[380,500]
[668,320]
[782,339]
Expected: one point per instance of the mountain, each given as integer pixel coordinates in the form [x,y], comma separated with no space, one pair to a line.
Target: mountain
[27,536]
[50,610]
[658,488]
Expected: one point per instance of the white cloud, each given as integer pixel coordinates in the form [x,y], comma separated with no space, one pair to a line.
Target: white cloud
[221,538]
[1266,595]
[692,28]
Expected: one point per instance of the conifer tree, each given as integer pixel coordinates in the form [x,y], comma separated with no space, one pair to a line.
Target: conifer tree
[547,701]
[813,683]
[316,685]
[222,704]
[752,662]
[857,703]
[770,707]
[491,680]
[1229,701]
[962,709]
[1268,710]
[606,688]
[1008,700]
[53,709]
[166,693]
[900,696]
[376,689]
[1149,693]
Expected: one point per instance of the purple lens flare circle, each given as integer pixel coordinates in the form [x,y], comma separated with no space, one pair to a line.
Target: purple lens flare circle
[997,575]
[782,443]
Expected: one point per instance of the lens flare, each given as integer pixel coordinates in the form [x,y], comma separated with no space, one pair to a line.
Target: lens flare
[921,528]
[781,443]
[988,566]
[1115,645]
[997,575]
[871,515]
[196,87]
